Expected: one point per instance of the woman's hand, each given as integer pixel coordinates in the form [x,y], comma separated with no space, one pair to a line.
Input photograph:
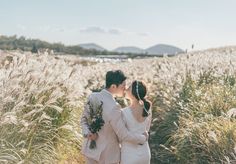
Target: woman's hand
[92,136]
[146,135]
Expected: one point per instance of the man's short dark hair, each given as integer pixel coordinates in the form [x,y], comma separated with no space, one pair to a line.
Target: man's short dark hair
[114,77]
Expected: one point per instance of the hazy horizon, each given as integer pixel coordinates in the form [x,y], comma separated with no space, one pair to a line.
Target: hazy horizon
[112,24]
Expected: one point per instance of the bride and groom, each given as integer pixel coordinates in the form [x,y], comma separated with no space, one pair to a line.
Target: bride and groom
[123,138]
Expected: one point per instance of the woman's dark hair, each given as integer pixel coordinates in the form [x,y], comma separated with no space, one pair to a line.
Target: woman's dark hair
[114,77]
[139,90]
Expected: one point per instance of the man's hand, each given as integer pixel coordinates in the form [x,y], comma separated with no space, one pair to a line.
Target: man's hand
[92,136]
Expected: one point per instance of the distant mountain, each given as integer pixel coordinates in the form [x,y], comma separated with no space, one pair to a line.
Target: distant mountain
[90,46]
[161,49]
[130,49]
[158,49]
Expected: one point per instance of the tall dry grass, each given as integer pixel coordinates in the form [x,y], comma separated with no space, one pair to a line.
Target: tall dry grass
[195,127]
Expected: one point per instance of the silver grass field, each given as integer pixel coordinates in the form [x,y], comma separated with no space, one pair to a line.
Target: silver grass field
[193,95]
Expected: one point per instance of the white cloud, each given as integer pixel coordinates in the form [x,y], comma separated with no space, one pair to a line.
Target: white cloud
[93,29]
[48,28]
[143,34]
[59,29]
[45,28]
[115,31]
[21,27]
[112,31]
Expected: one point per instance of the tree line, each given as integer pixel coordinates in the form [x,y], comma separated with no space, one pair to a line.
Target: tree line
[33,45]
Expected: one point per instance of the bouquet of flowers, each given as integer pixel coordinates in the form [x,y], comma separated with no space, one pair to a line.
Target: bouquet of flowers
[95,120]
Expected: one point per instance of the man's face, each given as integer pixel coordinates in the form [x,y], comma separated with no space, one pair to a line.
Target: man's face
[120,90]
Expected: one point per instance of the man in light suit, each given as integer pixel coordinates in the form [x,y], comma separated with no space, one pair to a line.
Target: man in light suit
[114,130]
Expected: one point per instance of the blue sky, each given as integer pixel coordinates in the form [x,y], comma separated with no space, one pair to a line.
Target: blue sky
[113,23]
